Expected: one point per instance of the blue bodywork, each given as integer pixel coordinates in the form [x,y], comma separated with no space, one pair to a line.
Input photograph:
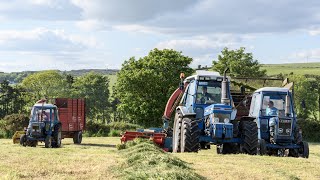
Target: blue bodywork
[278,130]
[215,118]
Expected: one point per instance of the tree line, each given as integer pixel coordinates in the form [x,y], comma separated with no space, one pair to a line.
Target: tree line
[143,87]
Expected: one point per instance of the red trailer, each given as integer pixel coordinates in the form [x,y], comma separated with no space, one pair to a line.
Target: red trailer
[72,117]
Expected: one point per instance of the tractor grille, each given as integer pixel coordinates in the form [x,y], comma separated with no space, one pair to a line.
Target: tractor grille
[285,127]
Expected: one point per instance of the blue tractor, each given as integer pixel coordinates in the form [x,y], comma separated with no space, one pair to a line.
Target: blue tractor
[206,115]
[272,109]
[44,126]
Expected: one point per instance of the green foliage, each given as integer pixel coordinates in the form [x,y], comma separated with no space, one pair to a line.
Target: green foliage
[45,84]
[310,129]
[94,88]
[12,123]
[306,89]
[111,129]
[144,86]
[114,133]
[241,64]
[11,99]
[143,160]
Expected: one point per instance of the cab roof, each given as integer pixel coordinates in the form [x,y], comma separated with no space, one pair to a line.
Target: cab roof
[202,73]
[45,106]
[272,89]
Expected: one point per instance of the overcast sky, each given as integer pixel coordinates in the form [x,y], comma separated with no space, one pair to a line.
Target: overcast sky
[77,34]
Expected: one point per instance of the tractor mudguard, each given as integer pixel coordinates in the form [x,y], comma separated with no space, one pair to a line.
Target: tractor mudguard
[184,112]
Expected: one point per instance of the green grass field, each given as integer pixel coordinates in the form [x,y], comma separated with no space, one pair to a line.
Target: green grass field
[296,68]
[97,157]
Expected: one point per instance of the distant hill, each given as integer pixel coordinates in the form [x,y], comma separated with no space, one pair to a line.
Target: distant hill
[295,68]
[17,77]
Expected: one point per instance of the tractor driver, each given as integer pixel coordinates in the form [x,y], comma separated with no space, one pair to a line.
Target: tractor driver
[44,116]
[271,110]
[205,96]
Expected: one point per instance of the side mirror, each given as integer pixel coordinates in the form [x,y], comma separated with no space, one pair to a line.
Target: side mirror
[181,86]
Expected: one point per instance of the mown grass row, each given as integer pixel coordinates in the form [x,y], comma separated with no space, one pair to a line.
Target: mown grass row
[144,160]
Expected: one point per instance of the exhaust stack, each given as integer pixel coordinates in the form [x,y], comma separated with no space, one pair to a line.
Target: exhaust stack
[224,89]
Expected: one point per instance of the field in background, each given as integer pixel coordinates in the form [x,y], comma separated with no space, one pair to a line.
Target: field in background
[95,158]
[296,68]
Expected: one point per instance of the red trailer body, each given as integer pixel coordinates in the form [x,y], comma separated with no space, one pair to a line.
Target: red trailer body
[72,116]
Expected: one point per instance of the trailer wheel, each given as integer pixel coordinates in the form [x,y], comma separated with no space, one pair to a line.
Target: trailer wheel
[47,142]
[57,136]
[176,136]
[262,147]
[189,135]
[77,137]
[249,134]
[23,140]
[304,150]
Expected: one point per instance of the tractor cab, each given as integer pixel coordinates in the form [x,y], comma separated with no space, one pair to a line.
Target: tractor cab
[204,90]
[273,110]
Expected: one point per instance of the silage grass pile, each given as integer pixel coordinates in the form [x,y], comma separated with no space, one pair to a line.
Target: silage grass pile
[144,160]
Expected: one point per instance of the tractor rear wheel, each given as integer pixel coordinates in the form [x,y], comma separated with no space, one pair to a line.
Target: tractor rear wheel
[47,142]
[262,147]
[23,140]
[57,136]
[176,136]
[249,135]
[189,135]
[77,137]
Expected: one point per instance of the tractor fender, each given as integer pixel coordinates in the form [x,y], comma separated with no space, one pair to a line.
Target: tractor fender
[185,113]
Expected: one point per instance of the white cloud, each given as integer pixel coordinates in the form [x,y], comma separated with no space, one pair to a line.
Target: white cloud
[311,55]
[42,39]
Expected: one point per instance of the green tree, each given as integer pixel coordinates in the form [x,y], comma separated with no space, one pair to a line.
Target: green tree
[144,86]
[241,64]
[94,88]
[45,84]
[306,89]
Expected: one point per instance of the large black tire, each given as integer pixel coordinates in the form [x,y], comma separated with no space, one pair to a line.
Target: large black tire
[57,136]
[262,147]
[77,137]
[304,150]
[249,135]
[23,140]
[176,134]
[189,135]
[48,142]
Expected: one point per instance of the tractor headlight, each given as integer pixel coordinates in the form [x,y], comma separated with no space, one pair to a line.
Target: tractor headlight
[216,120]
[226,120]
[280,130]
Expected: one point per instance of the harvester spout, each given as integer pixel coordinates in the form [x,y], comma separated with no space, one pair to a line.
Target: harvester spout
[224,89]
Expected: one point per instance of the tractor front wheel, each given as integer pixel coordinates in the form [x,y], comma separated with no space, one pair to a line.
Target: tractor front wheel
[57,136]
[189,135]
[304,150]
[23,140]
[47,142]
[249,134]
[262,147]
[176,136]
